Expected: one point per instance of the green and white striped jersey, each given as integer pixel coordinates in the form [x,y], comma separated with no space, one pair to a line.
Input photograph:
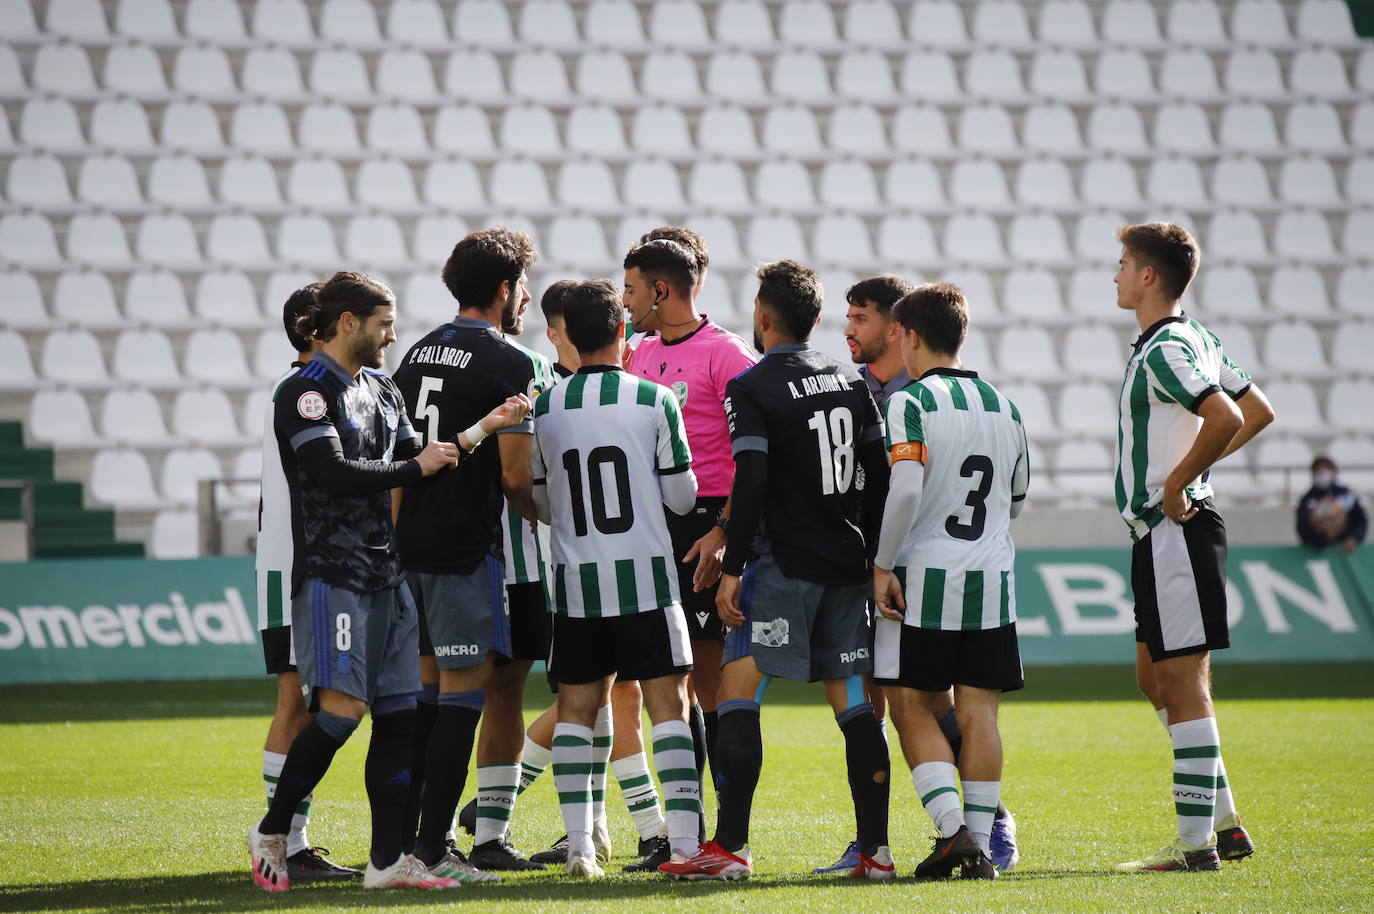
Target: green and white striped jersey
[1177,363]
[276,546]
[956,562]
[602,438]
[522,547]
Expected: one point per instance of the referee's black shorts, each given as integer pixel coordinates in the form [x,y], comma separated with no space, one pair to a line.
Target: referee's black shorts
[1178,574]
[703,624]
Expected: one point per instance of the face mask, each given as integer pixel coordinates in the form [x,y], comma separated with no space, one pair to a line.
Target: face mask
[1324,479]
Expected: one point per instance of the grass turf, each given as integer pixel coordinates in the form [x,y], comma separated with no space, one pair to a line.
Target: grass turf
[136,797]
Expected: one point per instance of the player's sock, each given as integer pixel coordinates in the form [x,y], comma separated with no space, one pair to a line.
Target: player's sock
[640,795]
[949,726]
[603,734]
[496,789]
[572,766]
[446,769]
[1225,803]
[426,709]
[697,721]
[672,743]
[980,808]
[296,839]
[934,782]
[305,764]
[712,722]
[740,754]
[1163,714]
[867,760]
[1197,757]
[533,760]
[387,773]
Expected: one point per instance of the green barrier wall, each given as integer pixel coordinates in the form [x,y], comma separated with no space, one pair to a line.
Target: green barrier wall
[109,619]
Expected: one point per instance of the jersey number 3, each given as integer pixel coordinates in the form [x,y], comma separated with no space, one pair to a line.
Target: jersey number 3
[977,500]
[835,438]
[598,459]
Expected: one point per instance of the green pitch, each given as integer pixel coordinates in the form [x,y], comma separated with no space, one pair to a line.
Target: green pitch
[137,797]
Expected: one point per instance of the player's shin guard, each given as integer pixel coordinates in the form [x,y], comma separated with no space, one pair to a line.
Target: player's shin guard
[867,759]
[305,764]
[446,769]
[740,754]
[572,767]
[681,781]
[426,710]
[1197,758]
[387,774]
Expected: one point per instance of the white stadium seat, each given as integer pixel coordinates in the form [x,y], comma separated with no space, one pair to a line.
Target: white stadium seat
[978,182]
[385,181]
[734,75]
[1195,22]
[529,129]
[1308,180]
[1087,409]
[203,69]
[539,74]
[349,21]
[939,23]
[1357,238]
[406,73]
[1236,234]
[973,238]
[214,19]
[50,123]
[1314,126]
[191,125]
[260,126]
[1051,128]
[482,22]
[1058,74]
[578,240]
[775,237]
[226,298]
[849,184]
[396,128]
[782,184]
[97,238]
[1036,416]
[1295,404]
[745,22]
[977,286]
[22,297]
[843,239]
[1109,181]
[653,182]
[857,129]
[148,19]
[60,415]
[1085,468]
[1230,291]
[1032,294]
[1183,127]
[791,129]
[463,129]
[1303,235]
[1353,287]
[454,184]
[986,128]
[1130,22]
[1248,127]
[86,298]
[993,73]
[872,22]
[800,75]
[1095,237]
[1351,347]
[182,471]
[1239,345]
[174,535]
[1175,181]
[121,478]
[1098,352]
[1045,182]
[203,416]
[133,68]
[37,180]
[907,239]
[145,357]
[272,70]
[605,75]
[1295,349]
[375,241]
[807,22]
[1116,126]
[216,357]
[16,365]
[249,181]
[116,123]
[1240,181]
[865,75]
[921,129]
[108,180]
[615,23]
[678,23]
[281,20]
[520,184]
[156,297]
[132,416]
[1029,353]
[929,74]
[317,183]
[595,129]
[1354,454]
[1188,73]
[913,183]
[1325,21]
[1348,405]
[1001,22]
[1067,22]
[236,238]
[1253,73]
[167,239]
[1319,72]
[671,75]
[338,72]
[418,22]
[1300,292]
[307,238]
[76,18]
[1123,73]
[474,75]
[549,23]
[1281,464]
[426,299]
[1038,238]
[1259,22]
[1359,179]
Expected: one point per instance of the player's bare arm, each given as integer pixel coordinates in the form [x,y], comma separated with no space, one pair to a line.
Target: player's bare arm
[1221,420]
[516,478]
[708,552]
[1256,413]
[436,456]
[508,415]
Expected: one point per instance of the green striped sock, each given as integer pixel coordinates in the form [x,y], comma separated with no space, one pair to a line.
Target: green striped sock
[980,808]
[640,794]
[603,735]
[934,782]
[1197,761]
[676,762]
[496,790]
[533,760]
[572,776]
[296,840]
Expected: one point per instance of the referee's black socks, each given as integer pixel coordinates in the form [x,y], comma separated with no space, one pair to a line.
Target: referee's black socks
[740,754]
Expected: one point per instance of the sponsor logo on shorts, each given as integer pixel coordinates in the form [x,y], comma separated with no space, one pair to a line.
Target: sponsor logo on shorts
[311,405]
[852,656]
[455,650]
[701,619]
[774,633]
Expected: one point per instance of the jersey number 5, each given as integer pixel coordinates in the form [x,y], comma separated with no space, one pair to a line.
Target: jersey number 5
[835,439]
[427,412]
[977,500]
[597,460]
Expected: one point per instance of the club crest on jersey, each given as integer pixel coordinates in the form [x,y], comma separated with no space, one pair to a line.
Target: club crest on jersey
[533,390]
[774,633]
[447,334]
[680,391]
[311,405]
[389,414]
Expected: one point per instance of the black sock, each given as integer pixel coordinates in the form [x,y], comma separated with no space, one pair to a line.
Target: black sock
[306,762]
[740,753]
[387,775]
[697,721]
[446,773]
[425,712]
[949,726]
[712,719]
[865,754]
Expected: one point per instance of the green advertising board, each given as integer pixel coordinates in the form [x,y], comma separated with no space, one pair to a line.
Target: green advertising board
[112,619]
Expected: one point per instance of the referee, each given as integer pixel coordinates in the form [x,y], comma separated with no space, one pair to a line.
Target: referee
[1172,429]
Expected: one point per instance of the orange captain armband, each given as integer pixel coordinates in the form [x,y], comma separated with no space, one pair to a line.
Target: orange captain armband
[909,450]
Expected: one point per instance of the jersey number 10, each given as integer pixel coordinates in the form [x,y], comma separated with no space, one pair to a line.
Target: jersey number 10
[597,460]
[835,439]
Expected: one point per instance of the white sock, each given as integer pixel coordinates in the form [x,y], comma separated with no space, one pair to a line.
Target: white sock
[603,735]
[572,765]
[1225,803]
[1163,716]
[1197,757]
[980,808]
[640,794]
[934,782]
[496,790]
[296,840]
[533,760]
[677,769]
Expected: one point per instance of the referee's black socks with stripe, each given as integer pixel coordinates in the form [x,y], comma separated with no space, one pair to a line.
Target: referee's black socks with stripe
[739,752]
[866,757]
[306,762]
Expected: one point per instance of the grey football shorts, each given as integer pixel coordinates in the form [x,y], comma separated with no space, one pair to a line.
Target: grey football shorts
[361,644]
[797,629]
[464,615]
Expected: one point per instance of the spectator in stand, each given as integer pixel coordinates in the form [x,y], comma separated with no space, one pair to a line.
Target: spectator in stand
[1329,512]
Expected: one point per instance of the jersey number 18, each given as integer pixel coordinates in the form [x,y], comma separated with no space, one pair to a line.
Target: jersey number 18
[835,439]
